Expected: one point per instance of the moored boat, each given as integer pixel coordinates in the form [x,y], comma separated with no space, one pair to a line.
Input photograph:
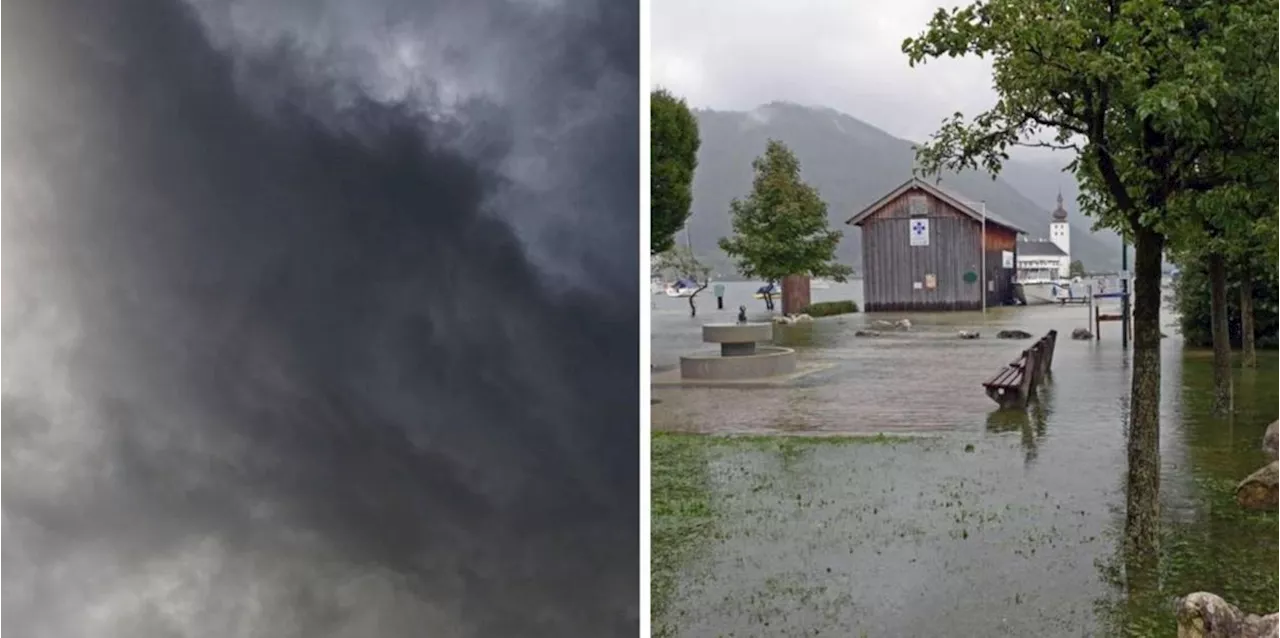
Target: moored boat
[682,288]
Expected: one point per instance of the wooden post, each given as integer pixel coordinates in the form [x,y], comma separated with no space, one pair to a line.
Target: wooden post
[1091,304]
[1034,364]
[1052,339]
[1029,363]
[1097,323]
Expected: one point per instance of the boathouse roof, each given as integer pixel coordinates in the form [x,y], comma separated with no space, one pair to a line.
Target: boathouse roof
[958,200]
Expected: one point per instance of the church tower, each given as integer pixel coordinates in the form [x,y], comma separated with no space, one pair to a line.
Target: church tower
[1060,235]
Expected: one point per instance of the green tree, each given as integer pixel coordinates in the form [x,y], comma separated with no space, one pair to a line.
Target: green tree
[680,262]
[1190,297]
[1230,246]
[1222,217]
[1131,87]
[673,157]
[781,229]
[1076,268]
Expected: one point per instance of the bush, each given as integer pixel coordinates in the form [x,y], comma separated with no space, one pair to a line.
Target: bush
[1191,298]
[831,308]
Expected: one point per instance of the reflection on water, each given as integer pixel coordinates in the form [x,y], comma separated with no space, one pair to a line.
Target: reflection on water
[924,379]
[1053,474]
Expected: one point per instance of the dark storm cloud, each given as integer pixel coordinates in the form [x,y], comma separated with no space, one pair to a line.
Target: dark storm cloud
[308,336]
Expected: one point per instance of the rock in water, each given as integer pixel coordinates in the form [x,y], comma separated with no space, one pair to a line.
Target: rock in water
[1259,490]
[866,333]
[1205,615]
[882,324]
[1081,334]
[1270,443]
[1013,334]
[968,334]
[902,324]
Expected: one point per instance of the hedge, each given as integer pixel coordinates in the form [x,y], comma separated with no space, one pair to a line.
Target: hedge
[831,308]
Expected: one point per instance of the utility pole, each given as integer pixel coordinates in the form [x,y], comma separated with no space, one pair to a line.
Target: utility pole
[984,260]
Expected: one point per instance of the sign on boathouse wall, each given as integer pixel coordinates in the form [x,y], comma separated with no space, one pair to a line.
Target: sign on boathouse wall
[919,232]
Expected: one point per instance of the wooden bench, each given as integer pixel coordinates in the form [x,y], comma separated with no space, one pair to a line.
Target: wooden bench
[1017,382]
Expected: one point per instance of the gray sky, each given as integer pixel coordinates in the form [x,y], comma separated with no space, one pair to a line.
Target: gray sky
[737,54]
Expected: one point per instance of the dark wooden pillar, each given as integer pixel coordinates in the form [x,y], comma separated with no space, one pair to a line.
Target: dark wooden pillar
[795,294]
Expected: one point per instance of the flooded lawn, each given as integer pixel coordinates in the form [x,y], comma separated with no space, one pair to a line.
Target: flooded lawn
[959,521]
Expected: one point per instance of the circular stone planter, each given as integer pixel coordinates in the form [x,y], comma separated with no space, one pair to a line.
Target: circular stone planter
[737,339]
[740,358]
[762,363]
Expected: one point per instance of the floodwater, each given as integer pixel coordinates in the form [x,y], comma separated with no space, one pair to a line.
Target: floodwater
[994,524]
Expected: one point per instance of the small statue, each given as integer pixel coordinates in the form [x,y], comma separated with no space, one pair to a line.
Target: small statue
[742,314]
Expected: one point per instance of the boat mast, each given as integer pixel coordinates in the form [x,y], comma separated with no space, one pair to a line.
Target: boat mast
[688,242]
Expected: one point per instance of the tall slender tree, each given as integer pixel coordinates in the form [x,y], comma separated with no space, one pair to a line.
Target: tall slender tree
[781,228]
[673,158]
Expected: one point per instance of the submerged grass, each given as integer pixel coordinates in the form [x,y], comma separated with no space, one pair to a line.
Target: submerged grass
[794,503]
[682,514]
[1228,551]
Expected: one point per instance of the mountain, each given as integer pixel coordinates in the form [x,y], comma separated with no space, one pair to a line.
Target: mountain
[852,164]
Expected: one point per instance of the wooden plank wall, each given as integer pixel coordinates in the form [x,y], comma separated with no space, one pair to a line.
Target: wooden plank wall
[891,265]
[998,240]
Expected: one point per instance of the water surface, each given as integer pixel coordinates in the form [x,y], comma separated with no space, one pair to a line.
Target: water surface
[994,524]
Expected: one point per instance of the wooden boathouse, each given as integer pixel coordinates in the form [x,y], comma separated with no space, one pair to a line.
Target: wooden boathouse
[922,249]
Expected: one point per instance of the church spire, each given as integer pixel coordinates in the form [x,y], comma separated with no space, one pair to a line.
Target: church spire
[1060,213]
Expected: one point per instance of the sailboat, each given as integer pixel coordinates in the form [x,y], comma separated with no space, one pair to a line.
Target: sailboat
[774,289]
[683,286]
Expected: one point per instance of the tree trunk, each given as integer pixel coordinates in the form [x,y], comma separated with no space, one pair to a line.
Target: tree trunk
[1221,338]
[693,307]
[1248,349]
[1142,488]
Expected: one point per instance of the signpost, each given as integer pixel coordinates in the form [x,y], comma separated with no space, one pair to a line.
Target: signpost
[1124,300]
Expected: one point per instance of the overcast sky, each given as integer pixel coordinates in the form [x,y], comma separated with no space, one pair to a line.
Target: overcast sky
[294,299]
[738,54]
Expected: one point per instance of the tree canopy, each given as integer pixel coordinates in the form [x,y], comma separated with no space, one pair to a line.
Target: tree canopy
[781,228]
[1154,98]
[673,157]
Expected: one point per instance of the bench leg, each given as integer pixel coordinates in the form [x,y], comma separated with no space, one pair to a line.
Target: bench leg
[1009,398]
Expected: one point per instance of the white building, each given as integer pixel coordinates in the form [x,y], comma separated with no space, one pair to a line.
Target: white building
[1047,260]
